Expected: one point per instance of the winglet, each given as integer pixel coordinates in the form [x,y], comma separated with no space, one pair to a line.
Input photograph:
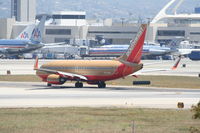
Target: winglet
[176,64]
[36,64]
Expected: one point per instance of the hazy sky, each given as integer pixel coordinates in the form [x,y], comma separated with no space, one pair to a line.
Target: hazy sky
[104,8]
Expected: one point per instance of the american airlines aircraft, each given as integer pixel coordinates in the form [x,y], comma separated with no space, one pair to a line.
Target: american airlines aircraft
[29,40]
[117,50]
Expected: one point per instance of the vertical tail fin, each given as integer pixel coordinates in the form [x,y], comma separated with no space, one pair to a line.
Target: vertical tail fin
[26,33]
[134,52]
[37,33]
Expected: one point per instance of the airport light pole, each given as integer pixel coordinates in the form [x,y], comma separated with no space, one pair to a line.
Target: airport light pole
[148,26]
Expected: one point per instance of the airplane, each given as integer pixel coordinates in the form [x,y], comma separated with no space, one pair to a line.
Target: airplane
[149,50]
[94,72]
[192,54]
[190,50]
[29,40]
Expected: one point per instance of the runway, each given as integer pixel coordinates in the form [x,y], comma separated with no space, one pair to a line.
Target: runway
[25,67]
[24,95]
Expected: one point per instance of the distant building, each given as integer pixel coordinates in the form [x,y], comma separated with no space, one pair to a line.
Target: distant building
[66,25]
[6,25]
[165,27]
[23,10]
[69,18]
[70,26]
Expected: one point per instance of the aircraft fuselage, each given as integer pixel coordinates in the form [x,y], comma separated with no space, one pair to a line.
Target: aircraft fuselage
[94,70]
[12,47]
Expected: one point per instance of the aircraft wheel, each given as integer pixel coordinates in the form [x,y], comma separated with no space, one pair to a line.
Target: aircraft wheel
[48,84]
[78,85]
[101,85]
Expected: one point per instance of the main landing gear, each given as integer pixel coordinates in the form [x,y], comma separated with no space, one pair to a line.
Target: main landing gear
[49,85]
[79,85]
[101,84]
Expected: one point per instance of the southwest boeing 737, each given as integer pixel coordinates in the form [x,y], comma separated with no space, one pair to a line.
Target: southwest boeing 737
[94,71]
[29,40]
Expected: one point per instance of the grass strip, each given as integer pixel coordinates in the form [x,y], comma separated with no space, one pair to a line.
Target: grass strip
[96,120]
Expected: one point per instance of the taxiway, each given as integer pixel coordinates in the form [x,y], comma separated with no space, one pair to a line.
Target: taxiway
[23,95]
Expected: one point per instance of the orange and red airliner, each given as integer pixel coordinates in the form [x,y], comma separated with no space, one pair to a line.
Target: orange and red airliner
[95,71]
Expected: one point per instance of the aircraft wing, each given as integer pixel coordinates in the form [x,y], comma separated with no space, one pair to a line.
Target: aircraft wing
[54,44]
[185,51]
[153,63]
[62,74]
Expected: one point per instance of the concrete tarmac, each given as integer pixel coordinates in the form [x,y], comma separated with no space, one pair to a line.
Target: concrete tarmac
[23,95]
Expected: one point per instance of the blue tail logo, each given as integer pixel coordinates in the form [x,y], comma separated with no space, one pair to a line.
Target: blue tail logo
[36,33]
[24,35]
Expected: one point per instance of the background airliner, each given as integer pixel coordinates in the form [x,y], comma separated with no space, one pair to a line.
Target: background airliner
[94,71]
[150,50]
[30,39]
[117,50]
[191,50]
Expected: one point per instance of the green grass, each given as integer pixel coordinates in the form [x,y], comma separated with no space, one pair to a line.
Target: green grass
[163,81]
[156,81]
[95,120]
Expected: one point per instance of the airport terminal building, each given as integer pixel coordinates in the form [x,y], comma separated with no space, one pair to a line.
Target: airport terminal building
[73,26]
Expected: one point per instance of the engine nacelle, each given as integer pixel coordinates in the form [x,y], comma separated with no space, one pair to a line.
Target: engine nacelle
[56,79]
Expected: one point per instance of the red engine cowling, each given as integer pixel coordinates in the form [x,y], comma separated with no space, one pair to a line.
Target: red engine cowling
[56,79]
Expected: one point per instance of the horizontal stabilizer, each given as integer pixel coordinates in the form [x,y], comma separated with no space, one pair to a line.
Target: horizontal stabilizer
[177,63]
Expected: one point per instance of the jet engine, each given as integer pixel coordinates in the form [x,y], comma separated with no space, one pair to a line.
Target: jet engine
[56,79]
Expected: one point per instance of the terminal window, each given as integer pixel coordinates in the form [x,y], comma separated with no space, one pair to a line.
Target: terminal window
[68,16]
[111,32]
[195,33]
[58,31]
[171,33]
[66,40]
